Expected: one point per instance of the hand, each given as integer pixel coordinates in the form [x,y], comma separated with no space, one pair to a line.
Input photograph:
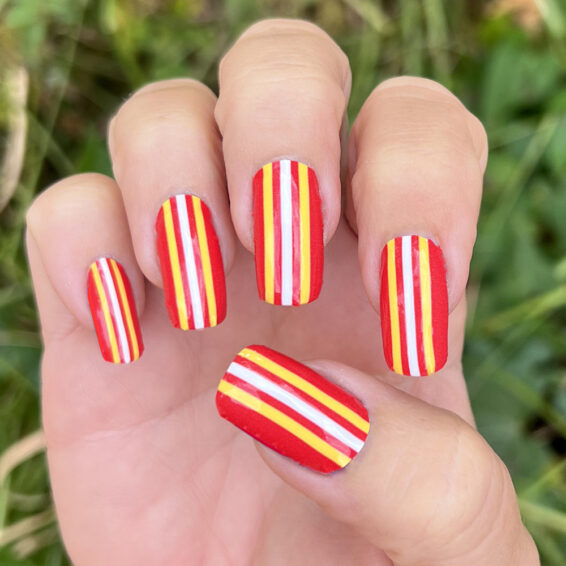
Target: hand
[143,469]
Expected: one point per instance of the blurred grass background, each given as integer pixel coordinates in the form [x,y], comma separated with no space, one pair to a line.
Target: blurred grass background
[66,65]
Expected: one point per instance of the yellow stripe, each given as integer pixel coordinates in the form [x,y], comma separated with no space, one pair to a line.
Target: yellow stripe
[126,307]
[393,312]
[106,312]
[307,387]
[175,266]
[426,301]
[304,211]
[284,421]
[205,259]
[268,241]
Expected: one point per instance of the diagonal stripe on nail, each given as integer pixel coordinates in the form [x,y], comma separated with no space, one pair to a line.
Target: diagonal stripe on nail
[292,409]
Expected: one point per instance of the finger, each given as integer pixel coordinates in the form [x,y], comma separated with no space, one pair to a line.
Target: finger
[418,482]
[166,156]
[284,87]
[417,158]
[83,265]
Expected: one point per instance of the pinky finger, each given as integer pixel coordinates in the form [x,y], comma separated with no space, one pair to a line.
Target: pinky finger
[83,266]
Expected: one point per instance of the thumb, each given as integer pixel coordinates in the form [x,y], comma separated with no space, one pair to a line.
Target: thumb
[416,480]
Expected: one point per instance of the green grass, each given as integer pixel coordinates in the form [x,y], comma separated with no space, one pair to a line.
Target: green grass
[83,58]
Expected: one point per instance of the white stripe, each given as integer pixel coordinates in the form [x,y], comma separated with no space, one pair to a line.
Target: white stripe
[123,339]
[287,398]
[410,327]
[191,270]
[286,232]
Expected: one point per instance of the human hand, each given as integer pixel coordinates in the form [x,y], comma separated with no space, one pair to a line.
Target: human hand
[143,469]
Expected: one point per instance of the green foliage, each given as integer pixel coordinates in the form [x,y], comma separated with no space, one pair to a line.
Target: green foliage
[84,58]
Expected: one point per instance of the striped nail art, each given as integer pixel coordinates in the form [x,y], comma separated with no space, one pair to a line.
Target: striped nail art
[289,253]
[414,306]
[292,409]
[114,312]
[191,263]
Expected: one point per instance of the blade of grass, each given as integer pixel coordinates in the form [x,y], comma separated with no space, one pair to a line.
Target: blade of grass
[371,13]
[411,33]
[542,515]
[437,39]
[16,84]
[537,307]
[509,195]
[553,476]
[26,526]
[530,398]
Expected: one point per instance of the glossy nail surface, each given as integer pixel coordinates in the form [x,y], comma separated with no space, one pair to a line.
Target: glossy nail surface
[191,263]
[289,251]
[414,306]
[114,312]
[292,409]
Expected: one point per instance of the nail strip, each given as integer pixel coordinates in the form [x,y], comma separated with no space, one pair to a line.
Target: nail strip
[114,312]
[289,252]
[414,306]
[191,263]
[292,409]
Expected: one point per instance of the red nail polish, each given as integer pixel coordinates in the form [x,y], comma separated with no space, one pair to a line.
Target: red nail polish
[191,263]
[414,306]
[289,250]
[114,312]
[292,409]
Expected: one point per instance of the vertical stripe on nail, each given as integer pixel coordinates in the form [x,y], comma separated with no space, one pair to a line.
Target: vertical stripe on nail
[114,312]
[292,409]
[288,233]
[191,263]
[414,306]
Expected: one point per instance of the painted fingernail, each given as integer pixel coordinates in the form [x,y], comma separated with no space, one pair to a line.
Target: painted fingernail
[191,263]
[414,306]
[289,251]
[292,409]
[114,312]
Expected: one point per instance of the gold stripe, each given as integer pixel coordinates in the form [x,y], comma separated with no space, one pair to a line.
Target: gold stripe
[305,231]
[126,305]
[284,421]
[307,387]
[175,266]
[205,260]
[393,312]
[426,301]
[268,239]
[106,312]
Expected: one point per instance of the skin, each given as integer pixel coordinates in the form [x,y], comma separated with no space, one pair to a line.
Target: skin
[143,469]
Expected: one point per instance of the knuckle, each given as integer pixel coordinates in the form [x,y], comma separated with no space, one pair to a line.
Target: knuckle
[410,82]
[282,26]
[163,102]
[479,137]
[470,490]
[445,107]
[185,84]
[63,196]
[158,113]
[283,58]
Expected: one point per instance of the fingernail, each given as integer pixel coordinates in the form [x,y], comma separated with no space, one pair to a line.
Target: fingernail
[414,306]
[114,312]
[292,409]
[191,263]
[289,251]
